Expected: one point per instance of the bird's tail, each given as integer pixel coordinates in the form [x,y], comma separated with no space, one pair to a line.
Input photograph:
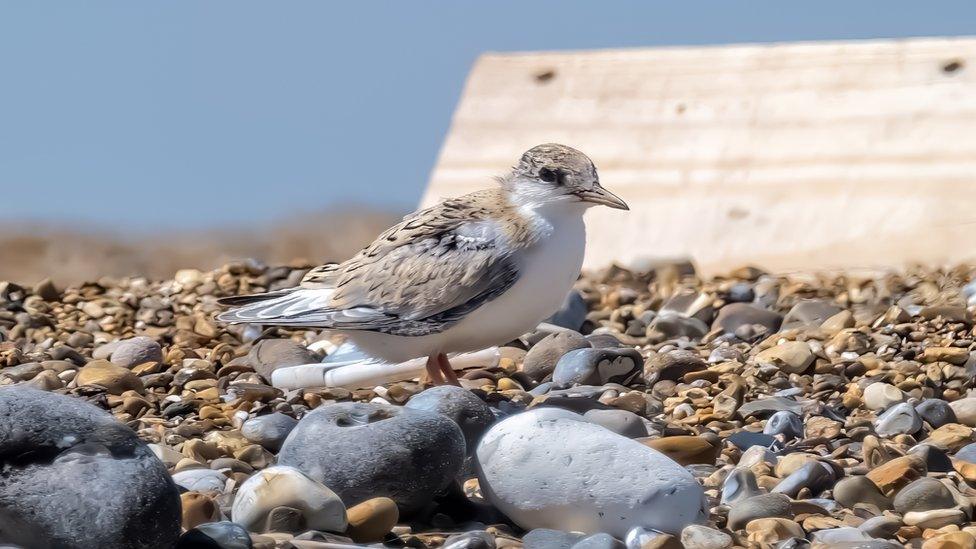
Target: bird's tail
[294,306]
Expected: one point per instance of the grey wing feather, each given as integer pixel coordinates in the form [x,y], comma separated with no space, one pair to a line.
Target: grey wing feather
[418,278]
[435,278]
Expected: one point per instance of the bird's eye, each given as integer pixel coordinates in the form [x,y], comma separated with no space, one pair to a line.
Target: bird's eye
[548,175]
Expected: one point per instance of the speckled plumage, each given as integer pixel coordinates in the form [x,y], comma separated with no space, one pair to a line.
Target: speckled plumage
[434,268]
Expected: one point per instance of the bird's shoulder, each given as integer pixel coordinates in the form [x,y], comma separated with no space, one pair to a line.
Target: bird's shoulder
[474,221]
[481,222]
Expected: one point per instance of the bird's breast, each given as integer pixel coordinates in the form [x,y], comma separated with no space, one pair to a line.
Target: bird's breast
[549,268]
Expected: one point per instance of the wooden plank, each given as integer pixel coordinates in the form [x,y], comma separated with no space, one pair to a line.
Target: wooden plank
[791,156]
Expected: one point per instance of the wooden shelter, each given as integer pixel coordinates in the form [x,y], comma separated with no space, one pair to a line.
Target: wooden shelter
[788,156]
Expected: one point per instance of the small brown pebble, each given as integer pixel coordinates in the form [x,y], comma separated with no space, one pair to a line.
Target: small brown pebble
[198,508]
[897,473]
[685,449]
[372,519]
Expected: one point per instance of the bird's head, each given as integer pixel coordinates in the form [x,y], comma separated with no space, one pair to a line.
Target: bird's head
[553,173]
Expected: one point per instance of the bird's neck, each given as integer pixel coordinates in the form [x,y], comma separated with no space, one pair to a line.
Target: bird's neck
[548,218]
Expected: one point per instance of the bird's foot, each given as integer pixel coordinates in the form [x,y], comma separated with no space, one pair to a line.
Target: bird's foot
[433,375]
[447,370]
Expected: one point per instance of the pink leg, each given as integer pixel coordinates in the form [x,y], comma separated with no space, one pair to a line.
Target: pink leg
[433,373]
[447,370]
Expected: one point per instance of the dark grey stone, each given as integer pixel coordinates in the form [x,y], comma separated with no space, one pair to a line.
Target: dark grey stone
[850,491]
[744,440]
[544,538]
[597,367]
[936,412]
[621,422]
[923,494]
[741,292]
[672,366]
[469,412]
[269,430]
[603,341]
[768,406]
[674,325]
[73,476]
[22,372]
[900,419]
[216,535]
[572,313]
[883,526]
[268,355]
[761,506]
[738,485]
[785,423]
[813,475]
[936,460]
[365,450]
[737,315]
[576,404]
[541,359]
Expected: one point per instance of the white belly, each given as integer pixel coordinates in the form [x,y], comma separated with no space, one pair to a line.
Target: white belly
[547,272]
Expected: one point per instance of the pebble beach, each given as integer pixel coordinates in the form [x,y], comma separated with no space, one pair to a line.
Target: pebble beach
[655,409]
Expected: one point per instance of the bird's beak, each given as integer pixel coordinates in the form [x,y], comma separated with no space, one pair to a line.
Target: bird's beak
[599,195]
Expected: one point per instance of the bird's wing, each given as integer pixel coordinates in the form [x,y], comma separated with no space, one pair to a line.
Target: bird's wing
[419,277]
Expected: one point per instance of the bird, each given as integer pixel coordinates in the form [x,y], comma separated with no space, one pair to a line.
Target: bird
[463,275]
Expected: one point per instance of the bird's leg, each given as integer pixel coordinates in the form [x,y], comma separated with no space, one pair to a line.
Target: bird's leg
[433,373]
[447,370]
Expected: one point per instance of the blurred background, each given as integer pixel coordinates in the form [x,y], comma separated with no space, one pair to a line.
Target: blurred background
[139,138]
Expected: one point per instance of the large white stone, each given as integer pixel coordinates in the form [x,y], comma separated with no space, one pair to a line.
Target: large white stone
[550,468]
[286,486]
[965,410]
[881,396]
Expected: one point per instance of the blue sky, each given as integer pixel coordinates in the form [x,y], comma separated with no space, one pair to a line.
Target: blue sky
[143,116]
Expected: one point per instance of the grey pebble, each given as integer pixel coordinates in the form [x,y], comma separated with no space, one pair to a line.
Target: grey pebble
[621,422]
[572,313]
[850,491]
[365,450]
[923,494]
[268,355]
[761,506]
[883,526]
[269,430]
[738,485]
[900,419]
[469,412]
[935,412]
[75,477]
[786,423]
[813,475]
[541,359]
[136,350]
[597,367]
